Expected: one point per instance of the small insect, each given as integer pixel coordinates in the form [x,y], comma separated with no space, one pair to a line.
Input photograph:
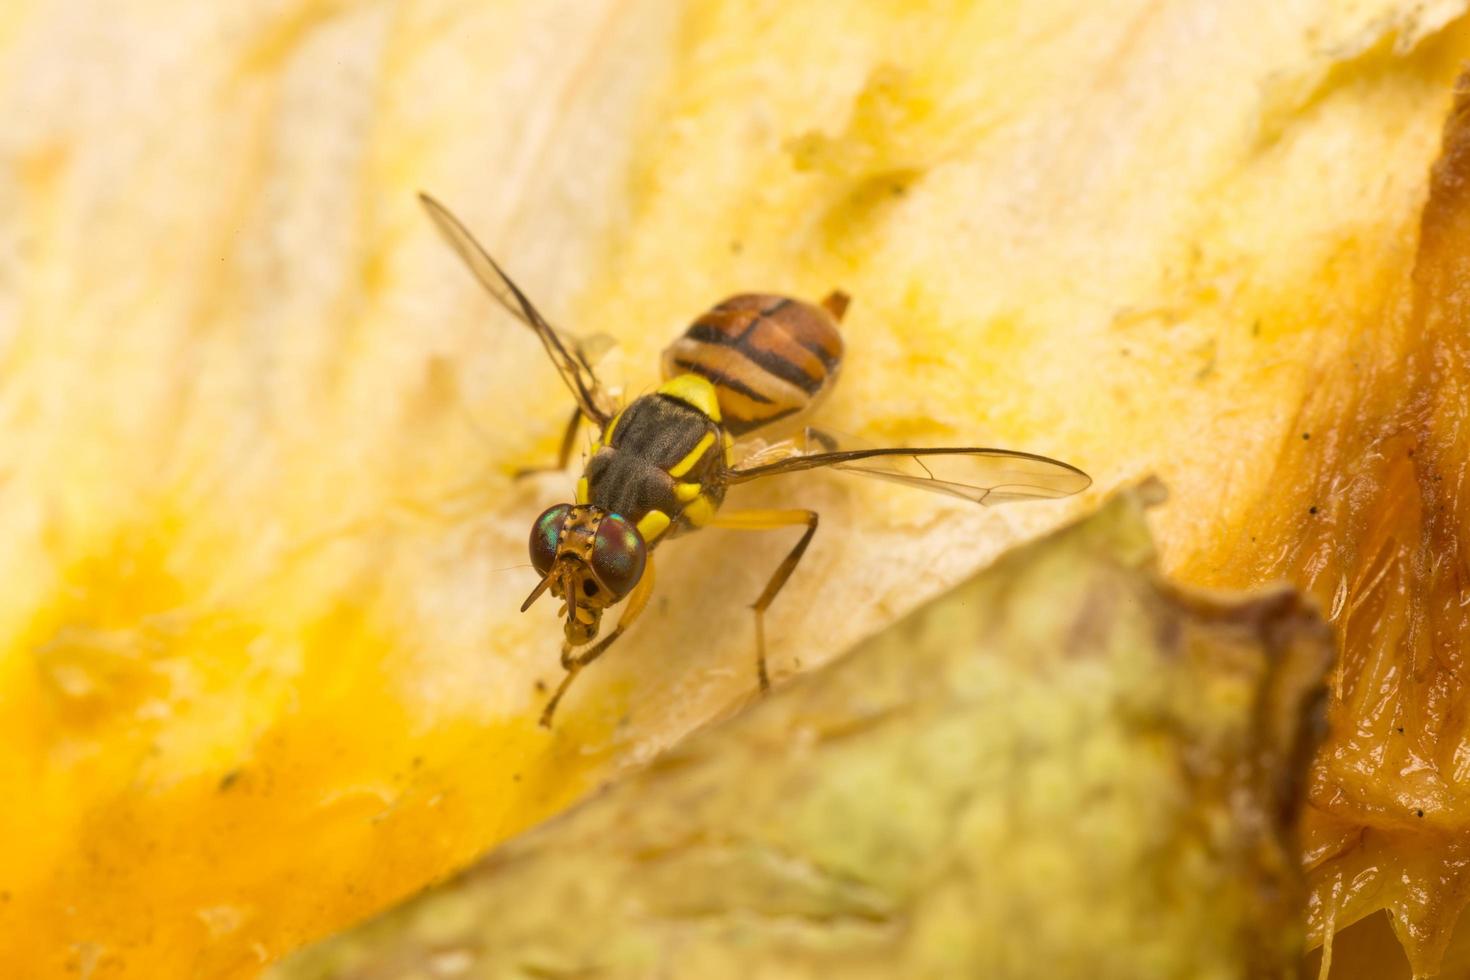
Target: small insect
[661,464]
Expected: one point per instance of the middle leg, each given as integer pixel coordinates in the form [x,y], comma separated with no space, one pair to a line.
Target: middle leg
[768,520]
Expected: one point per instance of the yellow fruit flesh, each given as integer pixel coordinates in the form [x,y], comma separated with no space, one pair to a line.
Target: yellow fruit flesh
[261,546]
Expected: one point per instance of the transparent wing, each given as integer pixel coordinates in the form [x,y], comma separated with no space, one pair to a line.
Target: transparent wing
[591,348]
[982,476]
[572,357]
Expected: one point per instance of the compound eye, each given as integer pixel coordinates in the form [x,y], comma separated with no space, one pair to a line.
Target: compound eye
[546,535]
[618,555]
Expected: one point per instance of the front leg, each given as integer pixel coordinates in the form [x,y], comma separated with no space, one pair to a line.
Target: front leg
[564,454]
[574,664]
[767,520]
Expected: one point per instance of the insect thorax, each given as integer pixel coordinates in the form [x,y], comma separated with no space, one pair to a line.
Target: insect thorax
[661,461]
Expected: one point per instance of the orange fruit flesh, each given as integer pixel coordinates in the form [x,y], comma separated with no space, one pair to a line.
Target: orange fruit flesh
[1370,512]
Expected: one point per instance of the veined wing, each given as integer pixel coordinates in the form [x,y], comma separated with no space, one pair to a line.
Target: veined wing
[982,476]
[572,357]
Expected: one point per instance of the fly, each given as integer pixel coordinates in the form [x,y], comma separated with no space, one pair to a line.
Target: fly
[661,464]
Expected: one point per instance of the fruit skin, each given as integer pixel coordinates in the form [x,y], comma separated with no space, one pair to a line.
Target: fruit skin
[1080,771]
[260,669]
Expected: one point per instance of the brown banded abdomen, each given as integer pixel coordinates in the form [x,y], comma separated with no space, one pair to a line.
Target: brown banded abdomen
[768,357]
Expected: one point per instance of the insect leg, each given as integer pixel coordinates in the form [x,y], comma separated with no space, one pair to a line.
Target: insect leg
[564,454]
[767,520]
[574,664]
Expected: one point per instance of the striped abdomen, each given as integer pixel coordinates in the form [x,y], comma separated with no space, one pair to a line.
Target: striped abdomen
[768,357]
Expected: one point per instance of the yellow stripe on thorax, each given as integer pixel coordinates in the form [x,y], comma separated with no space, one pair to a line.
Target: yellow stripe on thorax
[607,433]
[654,523]
[692,389]
[700,512]
[687,463]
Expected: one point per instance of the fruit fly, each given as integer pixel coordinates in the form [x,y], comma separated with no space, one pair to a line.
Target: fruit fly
[661,464]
